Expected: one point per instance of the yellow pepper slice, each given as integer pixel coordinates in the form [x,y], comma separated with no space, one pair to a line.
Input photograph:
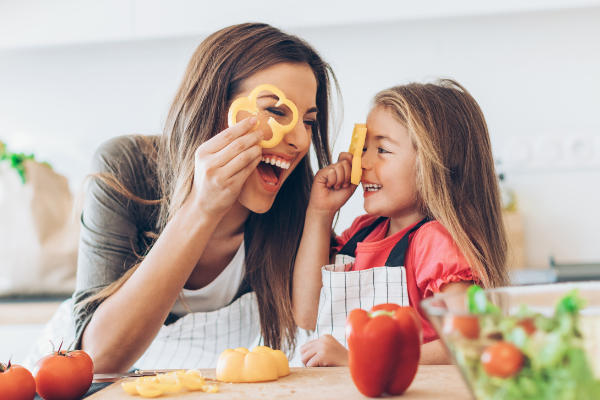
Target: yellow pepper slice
[249,104]
[261,365]
[129,387]
[210,389]
[154,386]
[191,382]
[356,148]
[148,389]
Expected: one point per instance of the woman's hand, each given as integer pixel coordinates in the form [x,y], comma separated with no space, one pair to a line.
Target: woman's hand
[223,164]
[325,351]
[331,187]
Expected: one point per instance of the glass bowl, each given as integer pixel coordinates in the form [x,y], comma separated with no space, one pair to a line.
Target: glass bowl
[522,347]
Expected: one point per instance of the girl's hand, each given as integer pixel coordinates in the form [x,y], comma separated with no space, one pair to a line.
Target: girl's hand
[331,187]
[325,351]
[222,165]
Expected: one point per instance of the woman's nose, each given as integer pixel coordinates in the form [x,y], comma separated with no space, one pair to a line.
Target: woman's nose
[298,138]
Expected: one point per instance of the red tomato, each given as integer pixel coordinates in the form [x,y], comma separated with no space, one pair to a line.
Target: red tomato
[528,325]
[63,375]
[16,383]
[502,359]
[467,326]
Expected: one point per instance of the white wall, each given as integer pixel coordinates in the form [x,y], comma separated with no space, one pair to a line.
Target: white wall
[536,76]
[26,23]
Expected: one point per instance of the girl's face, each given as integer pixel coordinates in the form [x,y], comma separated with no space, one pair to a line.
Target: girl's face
[298,83]
[388,167]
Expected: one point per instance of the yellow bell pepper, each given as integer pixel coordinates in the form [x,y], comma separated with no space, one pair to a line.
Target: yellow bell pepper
[356,148]
[261,365]
[249,104]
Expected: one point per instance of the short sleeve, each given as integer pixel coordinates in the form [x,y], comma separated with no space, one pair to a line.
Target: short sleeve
[111,224]
[437,259]
[357,225]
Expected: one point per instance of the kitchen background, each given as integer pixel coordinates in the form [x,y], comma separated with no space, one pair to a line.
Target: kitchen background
[74,74]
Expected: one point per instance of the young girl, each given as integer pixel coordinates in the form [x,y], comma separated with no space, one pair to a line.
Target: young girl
[433,222]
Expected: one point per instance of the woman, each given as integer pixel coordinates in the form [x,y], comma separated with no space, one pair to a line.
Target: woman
[188,240]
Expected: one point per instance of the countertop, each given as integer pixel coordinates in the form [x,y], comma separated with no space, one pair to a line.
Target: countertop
[432,382]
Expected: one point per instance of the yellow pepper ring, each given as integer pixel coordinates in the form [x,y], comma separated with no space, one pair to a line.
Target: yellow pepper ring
[249,104]
[356,148]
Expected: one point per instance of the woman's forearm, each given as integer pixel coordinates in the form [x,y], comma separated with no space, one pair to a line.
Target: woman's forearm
[313,253]
[125,324]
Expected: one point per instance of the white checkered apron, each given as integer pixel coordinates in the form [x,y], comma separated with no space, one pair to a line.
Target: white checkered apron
[193,341]
[345,289]
[197,339]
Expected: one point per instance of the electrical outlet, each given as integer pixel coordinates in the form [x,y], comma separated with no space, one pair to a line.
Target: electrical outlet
[547,153]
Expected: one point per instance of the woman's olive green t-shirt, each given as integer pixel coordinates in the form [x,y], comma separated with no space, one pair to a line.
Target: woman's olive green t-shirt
[113,226]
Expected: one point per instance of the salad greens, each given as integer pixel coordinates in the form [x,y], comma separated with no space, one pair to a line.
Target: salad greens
[554,364]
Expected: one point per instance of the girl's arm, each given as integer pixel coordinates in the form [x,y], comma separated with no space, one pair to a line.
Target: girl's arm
[330,191]
[124,324]
[313,253]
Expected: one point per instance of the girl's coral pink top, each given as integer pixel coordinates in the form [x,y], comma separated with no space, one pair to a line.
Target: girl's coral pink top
[431,260]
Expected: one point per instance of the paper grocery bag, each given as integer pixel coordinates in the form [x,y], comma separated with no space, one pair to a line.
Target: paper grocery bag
[38,234]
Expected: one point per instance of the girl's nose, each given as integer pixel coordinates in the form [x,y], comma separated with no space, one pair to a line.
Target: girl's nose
[298,138]
[365,161]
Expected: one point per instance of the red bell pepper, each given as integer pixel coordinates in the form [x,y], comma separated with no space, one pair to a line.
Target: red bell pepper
[384,348]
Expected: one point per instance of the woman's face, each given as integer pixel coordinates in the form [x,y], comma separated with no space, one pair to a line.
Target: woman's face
[298,83]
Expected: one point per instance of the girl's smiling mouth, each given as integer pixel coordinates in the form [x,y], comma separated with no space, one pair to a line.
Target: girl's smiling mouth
[370,188]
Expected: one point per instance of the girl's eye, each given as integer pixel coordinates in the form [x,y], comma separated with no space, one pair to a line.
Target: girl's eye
[382,151]
[310,122]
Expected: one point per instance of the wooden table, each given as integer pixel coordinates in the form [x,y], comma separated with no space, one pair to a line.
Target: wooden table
[432,382]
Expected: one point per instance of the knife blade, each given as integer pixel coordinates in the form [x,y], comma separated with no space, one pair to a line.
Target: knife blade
[124,375]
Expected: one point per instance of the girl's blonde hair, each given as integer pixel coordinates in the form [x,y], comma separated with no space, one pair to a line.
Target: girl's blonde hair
[213,78]
[456,180]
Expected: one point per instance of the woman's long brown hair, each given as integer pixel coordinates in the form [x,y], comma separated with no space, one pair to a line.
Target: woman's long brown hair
[213,78]
[456,178]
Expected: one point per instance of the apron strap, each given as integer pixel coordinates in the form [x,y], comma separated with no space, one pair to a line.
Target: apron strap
[349,248]
[396,257]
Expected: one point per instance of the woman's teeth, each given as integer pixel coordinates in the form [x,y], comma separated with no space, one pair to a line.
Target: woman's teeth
[278,162]
[372,187]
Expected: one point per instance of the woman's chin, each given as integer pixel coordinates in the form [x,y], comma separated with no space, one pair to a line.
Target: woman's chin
[256,195]
[258,203]
[260,207]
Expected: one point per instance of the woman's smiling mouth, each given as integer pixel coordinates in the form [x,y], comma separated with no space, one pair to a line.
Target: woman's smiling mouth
[271,168]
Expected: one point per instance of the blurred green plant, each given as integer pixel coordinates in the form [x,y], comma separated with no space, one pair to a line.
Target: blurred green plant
[17,160]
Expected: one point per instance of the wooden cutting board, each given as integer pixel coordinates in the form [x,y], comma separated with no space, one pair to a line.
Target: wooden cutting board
[432,382]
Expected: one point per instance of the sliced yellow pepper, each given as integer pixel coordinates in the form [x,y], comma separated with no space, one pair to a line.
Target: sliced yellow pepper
[261,365]
[210,389]
[154,386]
[356,148]
[129,387]
[149,389]
[249,104]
